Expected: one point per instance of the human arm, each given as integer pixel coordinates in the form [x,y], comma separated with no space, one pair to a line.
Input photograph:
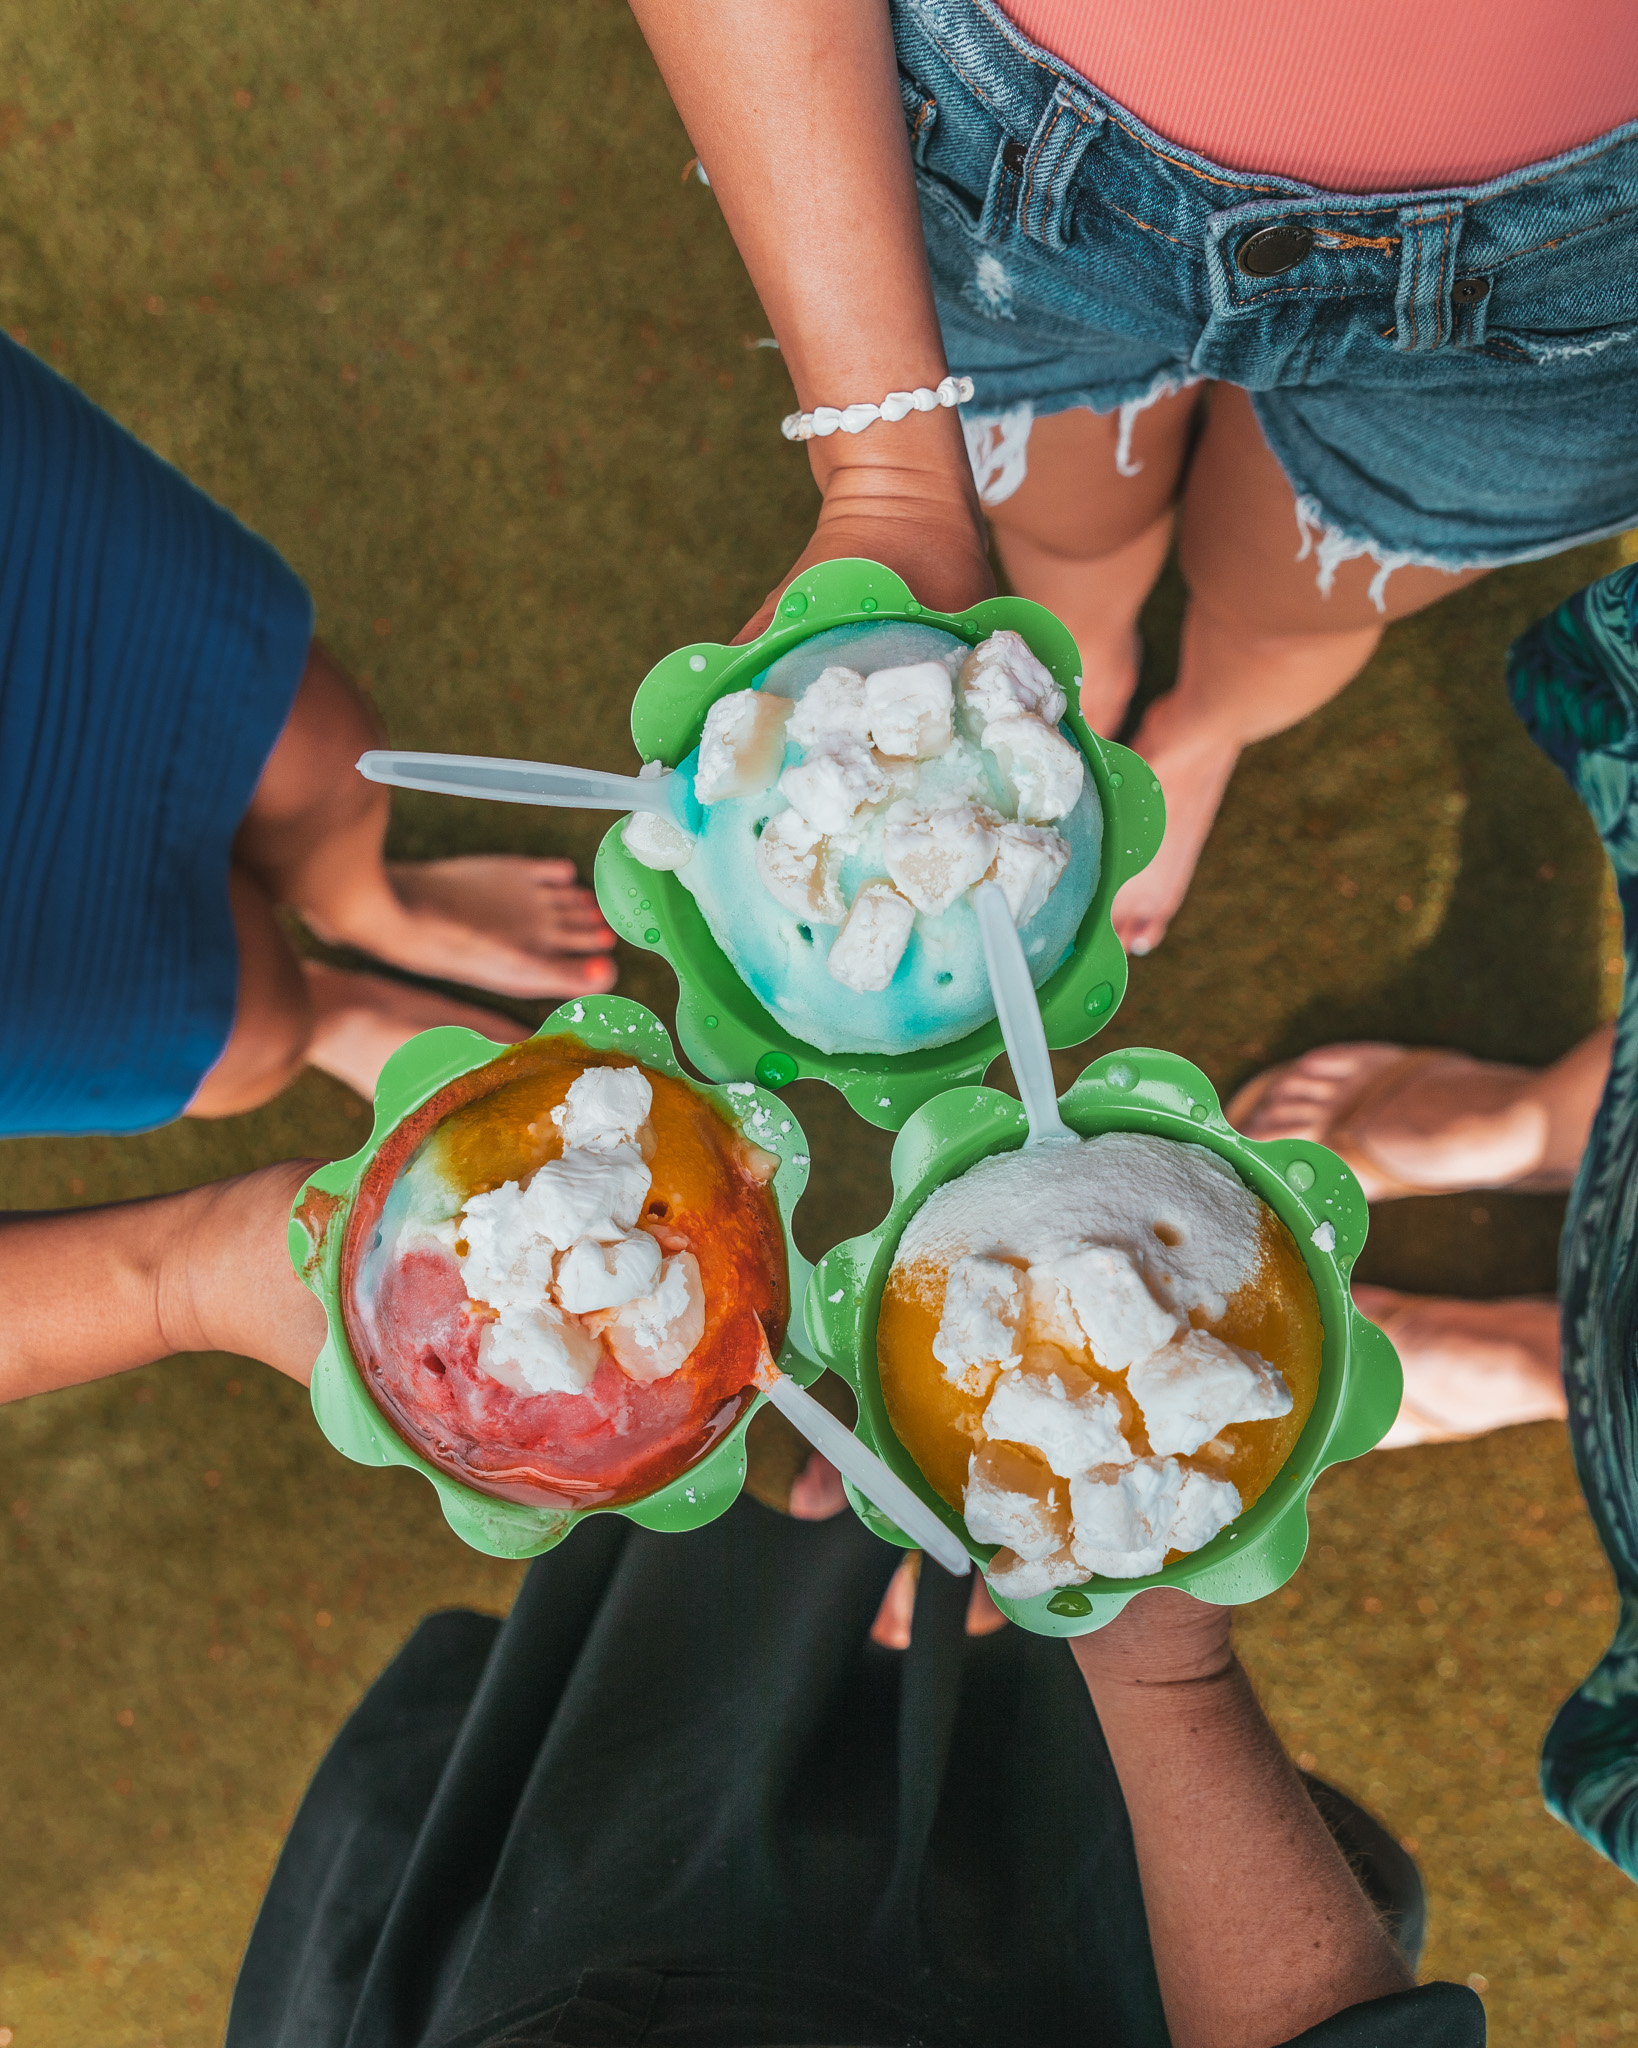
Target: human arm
[90,1292]
[794,108]
[1259,1928]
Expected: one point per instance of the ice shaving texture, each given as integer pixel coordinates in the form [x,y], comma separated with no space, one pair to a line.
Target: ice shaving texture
[883,782]
[562,1263]
[1083,1256]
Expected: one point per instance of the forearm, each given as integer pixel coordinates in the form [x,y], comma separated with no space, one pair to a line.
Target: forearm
[1259,1928]
[90,1292]
[794,107]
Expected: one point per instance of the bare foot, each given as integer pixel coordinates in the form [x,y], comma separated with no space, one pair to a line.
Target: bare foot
[1470,1366]
[1193,768]
[1452,1123]
[816,1493]
[497,921]
[360,1021]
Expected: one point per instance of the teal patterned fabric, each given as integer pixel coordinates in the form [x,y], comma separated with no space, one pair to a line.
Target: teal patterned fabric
[1574,681]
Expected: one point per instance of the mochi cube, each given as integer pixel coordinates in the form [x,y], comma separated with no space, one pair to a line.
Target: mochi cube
[654,1335]
[1028,861]
[1042,769]
[1204,1506]
[1073,1428]
[657,842]
[1015,1579]
[1001,678]
[1190,1389]
[508,1262]
[978,1330]
[834,702]
[798,868]
[742,745]
[1014,1500]
[606,1107]
[1109,1302]
[935,856]
[539,1351]
[833,782]
[591,1276]
[910,710]
[866,952]
[598,1195]
[1123,1517]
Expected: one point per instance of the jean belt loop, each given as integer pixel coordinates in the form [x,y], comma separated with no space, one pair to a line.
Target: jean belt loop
[1066,131]
[1429,233]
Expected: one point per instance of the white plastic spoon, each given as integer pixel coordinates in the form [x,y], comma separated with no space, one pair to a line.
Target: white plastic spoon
[856,1461]
[1020,1017]
[520,782]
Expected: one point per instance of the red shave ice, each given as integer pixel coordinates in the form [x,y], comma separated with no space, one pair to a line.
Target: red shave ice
[416,1334]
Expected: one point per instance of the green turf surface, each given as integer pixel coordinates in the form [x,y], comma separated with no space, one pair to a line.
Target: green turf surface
[421,293]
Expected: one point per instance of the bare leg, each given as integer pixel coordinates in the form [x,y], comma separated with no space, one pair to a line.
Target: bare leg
[313,838]
[1262,649]
[293,1013]
[1455,1123]
[1470,1366]
[1088,542]
[817,1495]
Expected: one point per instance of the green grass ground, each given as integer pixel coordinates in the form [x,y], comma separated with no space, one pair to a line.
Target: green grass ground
[421,293]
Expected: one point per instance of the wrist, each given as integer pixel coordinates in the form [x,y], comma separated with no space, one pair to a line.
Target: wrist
[1163,1647]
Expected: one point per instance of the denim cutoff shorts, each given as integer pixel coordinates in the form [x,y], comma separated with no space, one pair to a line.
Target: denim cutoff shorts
[1446,377]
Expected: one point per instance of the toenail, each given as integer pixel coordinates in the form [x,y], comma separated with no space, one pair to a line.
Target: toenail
[1138,947]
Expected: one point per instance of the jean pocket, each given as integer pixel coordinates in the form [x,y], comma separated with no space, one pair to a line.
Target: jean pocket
[1571,298]
[920,114]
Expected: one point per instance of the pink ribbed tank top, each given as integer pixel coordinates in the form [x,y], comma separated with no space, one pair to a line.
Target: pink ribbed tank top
[1372,96]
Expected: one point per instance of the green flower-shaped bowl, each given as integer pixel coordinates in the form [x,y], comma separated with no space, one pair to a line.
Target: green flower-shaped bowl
[1308,1188]
[724,1030]
[318,1235]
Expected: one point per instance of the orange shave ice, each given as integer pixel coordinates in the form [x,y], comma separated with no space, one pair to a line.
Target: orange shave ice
[561,1274]
[1099,1353]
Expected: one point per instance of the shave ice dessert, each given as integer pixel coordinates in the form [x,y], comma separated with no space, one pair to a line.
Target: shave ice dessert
[560,1276]
[1100,1353]
[840,812]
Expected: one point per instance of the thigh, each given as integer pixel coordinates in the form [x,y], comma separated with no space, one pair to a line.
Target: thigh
[1241,547]
[1076,501]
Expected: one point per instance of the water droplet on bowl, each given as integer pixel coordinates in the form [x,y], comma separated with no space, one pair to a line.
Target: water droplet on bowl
[867,604]
[1120,1075]
[1199,1112]
[651,936]
[1300,1175]
[1099,998]
[775,1069]
[1069,1603]
[1117,780]
[710,1023]
[794,603]
[645,904]
[697,663]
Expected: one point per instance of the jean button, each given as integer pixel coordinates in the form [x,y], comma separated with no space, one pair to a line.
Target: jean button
[1012,156]
[1468,291]
[1267,251]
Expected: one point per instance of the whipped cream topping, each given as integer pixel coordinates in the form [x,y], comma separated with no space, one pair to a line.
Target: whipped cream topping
[563,1262]
[1097,1253]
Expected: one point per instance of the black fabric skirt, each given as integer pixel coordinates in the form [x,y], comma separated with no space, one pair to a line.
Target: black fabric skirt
[678,1797]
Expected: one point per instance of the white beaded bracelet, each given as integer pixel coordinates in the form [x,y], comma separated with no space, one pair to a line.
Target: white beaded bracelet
[853,419]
